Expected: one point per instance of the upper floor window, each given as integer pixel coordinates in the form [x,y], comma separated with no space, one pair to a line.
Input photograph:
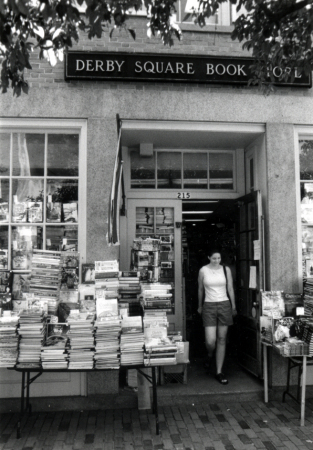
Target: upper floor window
[165,169]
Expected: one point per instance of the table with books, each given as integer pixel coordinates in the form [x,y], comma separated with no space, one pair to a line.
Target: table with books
[113,319]
[290,336]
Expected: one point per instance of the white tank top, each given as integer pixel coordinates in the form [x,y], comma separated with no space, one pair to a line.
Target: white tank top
[214,283]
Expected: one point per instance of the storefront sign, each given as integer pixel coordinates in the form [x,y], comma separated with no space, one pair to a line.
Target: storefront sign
[170,68]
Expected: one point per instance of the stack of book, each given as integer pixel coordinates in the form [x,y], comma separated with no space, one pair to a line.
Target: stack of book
[157,297]
[106,279]
[81,340]
[46,277]
[129,290]
[160,352]
[8,340]
[53,354]
[107,338]
[32,327]
[308,297]
[132,341]
[159,349]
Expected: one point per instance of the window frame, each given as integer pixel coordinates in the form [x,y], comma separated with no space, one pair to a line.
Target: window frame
[53,126]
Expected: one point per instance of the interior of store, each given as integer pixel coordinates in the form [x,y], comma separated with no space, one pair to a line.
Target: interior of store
[209,224]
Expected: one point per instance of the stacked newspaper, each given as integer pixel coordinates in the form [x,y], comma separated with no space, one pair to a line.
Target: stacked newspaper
[8,340]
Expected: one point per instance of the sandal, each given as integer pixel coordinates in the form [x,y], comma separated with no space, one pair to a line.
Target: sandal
[220,377]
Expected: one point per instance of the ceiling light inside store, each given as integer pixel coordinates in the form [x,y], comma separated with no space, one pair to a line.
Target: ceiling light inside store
[197,212]
[195,220]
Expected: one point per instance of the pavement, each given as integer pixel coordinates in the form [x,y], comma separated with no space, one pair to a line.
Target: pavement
[198,426]
[199,415]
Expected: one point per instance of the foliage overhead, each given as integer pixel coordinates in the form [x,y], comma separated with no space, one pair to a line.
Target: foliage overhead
[278,33]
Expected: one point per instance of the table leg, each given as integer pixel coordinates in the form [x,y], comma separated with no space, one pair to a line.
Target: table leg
[265,373]
[303,392]
[155,400]
[28,406]
[18,431]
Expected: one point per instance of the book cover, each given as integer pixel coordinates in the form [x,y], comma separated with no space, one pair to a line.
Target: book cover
[3,259]
[70,212]
[19,212]
[53,212]
[4,212]
[34,212]
[88,273]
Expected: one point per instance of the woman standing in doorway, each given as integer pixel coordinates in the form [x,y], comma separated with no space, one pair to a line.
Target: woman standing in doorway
[217,306]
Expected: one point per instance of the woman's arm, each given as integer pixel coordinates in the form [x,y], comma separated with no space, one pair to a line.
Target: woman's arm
[200,291]
[230,289]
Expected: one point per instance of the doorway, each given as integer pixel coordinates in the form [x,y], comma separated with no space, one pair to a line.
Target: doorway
[233,226]
[206,224]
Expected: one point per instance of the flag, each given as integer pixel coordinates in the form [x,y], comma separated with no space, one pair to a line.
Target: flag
[113,236]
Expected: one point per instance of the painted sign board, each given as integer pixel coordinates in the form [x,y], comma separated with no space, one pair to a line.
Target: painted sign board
[81,65]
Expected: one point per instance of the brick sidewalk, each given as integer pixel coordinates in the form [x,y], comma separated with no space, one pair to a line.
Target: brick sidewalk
[229,426]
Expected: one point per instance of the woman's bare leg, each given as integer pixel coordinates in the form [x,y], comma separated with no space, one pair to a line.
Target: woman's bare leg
[221,347]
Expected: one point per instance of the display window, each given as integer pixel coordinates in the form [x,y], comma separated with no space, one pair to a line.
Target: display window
[306,191]
[39,192]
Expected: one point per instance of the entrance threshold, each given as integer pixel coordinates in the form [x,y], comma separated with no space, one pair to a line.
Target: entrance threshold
[201,385]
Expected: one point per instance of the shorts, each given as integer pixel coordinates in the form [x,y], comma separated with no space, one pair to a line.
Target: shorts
[217,313]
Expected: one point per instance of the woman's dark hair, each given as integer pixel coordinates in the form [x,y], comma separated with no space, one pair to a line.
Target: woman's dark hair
[214,250]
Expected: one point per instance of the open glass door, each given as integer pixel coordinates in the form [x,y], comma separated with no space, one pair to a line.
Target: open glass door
[160,219]
[249,282]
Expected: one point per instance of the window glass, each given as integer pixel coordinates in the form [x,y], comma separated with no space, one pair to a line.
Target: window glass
[4,246]
[142,172]
[62,238]
[169,170]
[4,200]
[37,211]
[62,159]
[4,154]
[306,185]
[27,200]
[62,201]
[195,170]
[24,240]
[28,154]
[186,8]
[306,160]
[221,170]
